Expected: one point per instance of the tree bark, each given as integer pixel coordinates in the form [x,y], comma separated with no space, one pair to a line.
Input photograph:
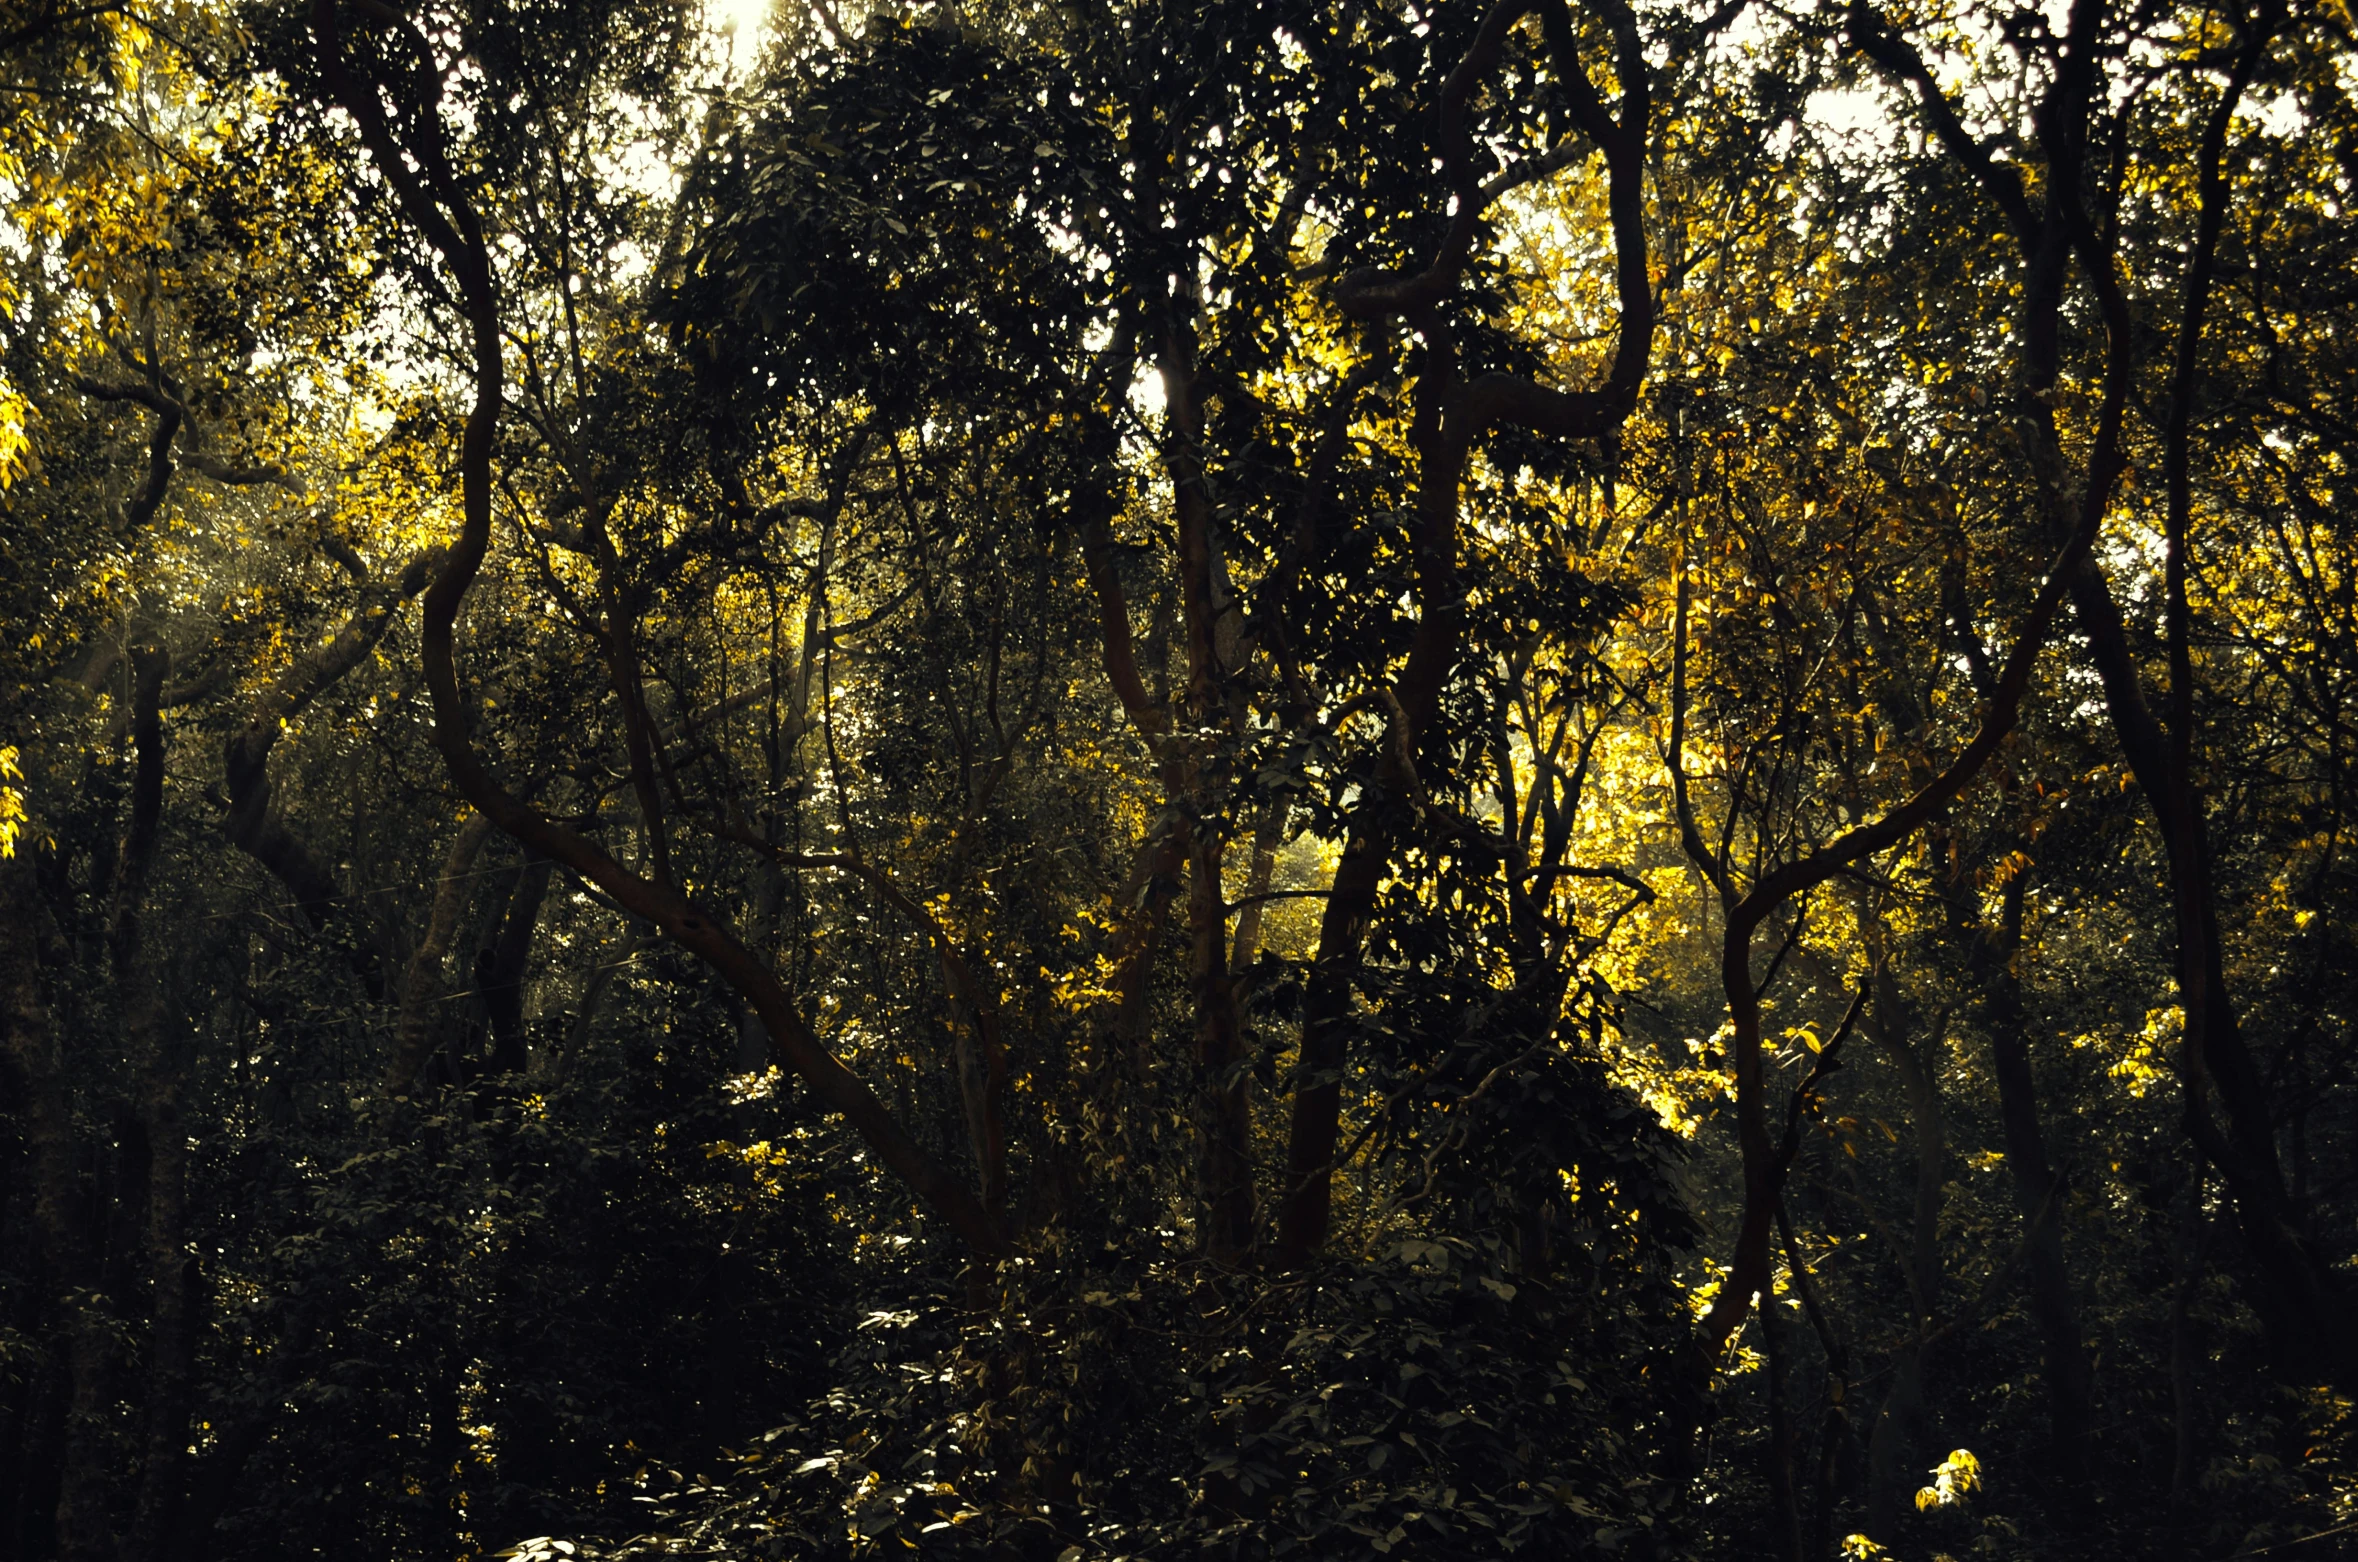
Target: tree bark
[1327,1022]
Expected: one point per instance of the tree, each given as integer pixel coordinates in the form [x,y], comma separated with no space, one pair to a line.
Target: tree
[1284,777]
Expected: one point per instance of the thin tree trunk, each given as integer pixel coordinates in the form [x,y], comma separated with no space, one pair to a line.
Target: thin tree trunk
[1327,1021]
[500,973]
[2039,1199]
[171,1339]
[2295,1293]
[1224,1079]
[84,1533]
[162,1063]
[416,1028]
[1897,1441]
[1264,867]
[1227,1080]
[1776,1337]
[2299,1298]
[1892,1445]
[2185,1348]
[1146,899]
[444,1477]
[1834,1427]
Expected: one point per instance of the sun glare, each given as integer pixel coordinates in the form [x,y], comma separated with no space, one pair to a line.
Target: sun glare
[741,22]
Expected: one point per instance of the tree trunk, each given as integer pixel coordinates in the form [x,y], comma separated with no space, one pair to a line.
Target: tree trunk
[416,1029]
[84,1533]
[500,973]
[2185,1347]
[171,1340]
[1898,1441]
[1776,1338]
[1264,866]
[1892,1447]
[2295,1292]
[1227,1079]
[1326,1031]
[2039,1196]
[1834,1429]
[162,1065]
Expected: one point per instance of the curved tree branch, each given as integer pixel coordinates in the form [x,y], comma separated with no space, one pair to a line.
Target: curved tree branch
[432,207]
[252,823]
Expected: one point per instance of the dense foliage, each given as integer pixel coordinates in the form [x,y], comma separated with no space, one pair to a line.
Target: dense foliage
[1123,779]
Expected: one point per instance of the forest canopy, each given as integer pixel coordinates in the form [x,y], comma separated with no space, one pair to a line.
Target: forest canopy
[1137,779]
